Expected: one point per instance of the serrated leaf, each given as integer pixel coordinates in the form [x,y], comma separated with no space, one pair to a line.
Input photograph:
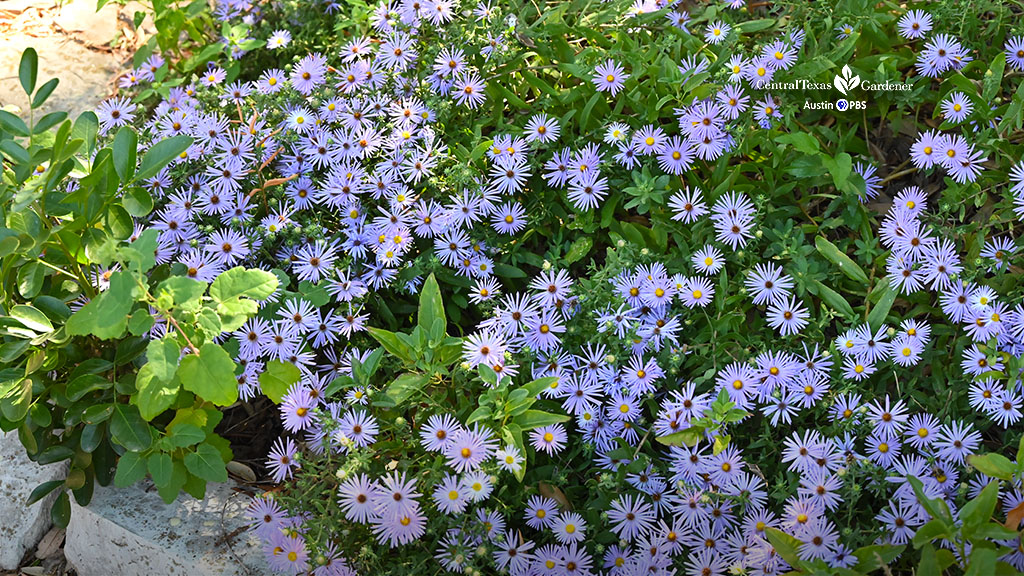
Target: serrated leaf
[210,374]
[206,463]
[237,282]
[277,378]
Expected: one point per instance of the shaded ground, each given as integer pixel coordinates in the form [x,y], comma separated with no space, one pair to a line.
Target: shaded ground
[85,49]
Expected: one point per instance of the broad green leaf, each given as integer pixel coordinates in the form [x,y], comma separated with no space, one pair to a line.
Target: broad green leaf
[978,510]
[536,418]
[688,437]
[255,284]
[846,265]
[28,70]
[874,557]
[392,343]
[163,355]
[579,249]
[431,304]
[210,374]
[31,318]
[994,465]
[60,513]
[130,469]
[178,477]
[207,464]
[277,378]
[15,404]
[137,201]
[839,167]
[184,291]
[125,148]
[403,387]
[154,395]
[185,435]
[982,562]
[801,142]
[129,429]
[161,154]
[785,544]
[160,468]
[84,384]
[106,316]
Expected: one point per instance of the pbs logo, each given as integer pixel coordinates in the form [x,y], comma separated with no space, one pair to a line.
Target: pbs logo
[842,105]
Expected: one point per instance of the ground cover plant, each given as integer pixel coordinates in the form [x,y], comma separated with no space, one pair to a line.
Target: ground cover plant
[569,288]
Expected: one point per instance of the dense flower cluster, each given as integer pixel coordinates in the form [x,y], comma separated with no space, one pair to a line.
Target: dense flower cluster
[342,171]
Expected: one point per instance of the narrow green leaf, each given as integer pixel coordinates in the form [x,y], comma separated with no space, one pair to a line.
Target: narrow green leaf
[42,491]
[44,92]
[431,304]
[161,154]
[125,149]
[846,264]
[28,70]
[536,418]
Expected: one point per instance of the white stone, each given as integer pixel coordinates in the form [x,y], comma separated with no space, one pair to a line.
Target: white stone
[22,526]
[131,532]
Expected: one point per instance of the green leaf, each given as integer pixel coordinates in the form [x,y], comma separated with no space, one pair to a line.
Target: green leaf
[106,316]
[755,25]
[207,464]
[154,395]
[161,154]
[688,437]
[42,490]
[256,284]
[160,468]
[60,513]
[125,149]
[129,429]
[28,70]
[84,384]
[49,121]
[431,305]
[994,465]
[536,418]
[846,265]
[86,126]
[579,249]
[141,321]
[934,529]
[184,291]
[833,299]
[44,92]
[15,152]
[881,310]
[785,544]
[801,141]
[403,387]
[130,469]
[11,123]
[15,405]
[210,374]
[872,558]
[392,343]
[839,167]
[31,318]
[537,386]
[185,435]
[277,378]
[163,355]
[978,510]
[137,201]
[982,562]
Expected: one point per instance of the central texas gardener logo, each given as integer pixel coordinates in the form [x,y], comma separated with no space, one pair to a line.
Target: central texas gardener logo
[848,81]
